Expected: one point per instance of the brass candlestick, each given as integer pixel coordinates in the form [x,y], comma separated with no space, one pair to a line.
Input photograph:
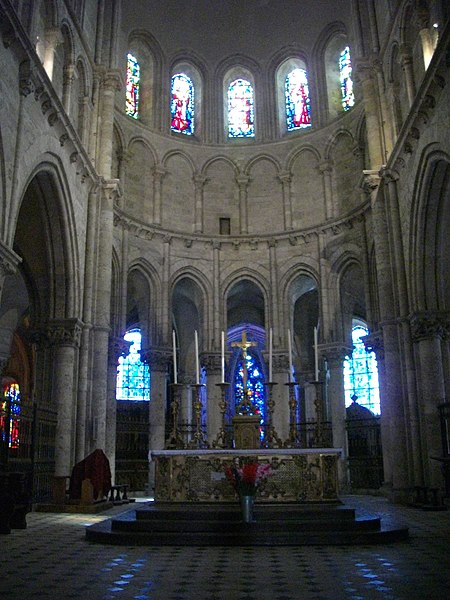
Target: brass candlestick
[293,439]
[271,439]
[318,433]
[198,440]
[221,439]
[175,440]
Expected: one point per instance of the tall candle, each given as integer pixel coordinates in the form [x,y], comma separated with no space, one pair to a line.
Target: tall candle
[223,357]
[270,353]
[197,367]
[174,344]
[290,353]
[316,356]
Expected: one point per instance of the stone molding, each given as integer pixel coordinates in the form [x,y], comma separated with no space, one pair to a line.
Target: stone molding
[374,342]
[335,352]
[9,260]
[158,358]
[427,325]
[64,332]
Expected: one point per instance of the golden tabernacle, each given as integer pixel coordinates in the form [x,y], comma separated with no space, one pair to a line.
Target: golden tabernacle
[298,475]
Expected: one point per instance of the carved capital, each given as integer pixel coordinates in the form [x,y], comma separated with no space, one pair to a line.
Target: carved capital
[285,177]
[64,332]
[389,175]
[326,166]
[370,181]
[429,324]
[118,347]
[212,361]
[242,181]
[8,261]
[159,359]
[374,343]
[335,353]
[112,81]
[26,84]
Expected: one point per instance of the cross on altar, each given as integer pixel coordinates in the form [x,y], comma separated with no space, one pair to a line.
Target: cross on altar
[244,344]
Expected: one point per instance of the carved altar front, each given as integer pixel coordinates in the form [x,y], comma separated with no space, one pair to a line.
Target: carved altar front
[299,475]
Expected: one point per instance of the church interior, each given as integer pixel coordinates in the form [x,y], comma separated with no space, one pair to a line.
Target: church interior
[223,235]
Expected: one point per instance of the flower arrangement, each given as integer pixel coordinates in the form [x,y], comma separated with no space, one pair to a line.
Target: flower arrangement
[246,478]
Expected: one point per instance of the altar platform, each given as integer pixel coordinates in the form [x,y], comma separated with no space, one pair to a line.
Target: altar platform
[298,475]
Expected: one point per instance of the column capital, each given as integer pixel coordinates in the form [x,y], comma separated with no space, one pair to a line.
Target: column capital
[159,171]
[212,361]
[199,180]
[242,181]
[370,180]
[325,166]
[388,175]
[9,260]
[112,80]
[159,359]
[64,332]
[374,342]
[118,347]
[285,176]
[335,352]
[430,324]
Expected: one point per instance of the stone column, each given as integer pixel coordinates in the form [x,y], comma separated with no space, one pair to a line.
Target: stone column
[422,16]
[274,317]
[402,309]
[335,354]
[280,370]
[429,328]
[366,76]
[243,181]
[158,175]
[8,264]
[124,158]
[117,347]
[212,362]
[102,317]
[199,183]
[158,360]
[64,336]
[408,70]
[326,168]
[52,38]
[285,178]
[110,84]
[68,79]
[219,320]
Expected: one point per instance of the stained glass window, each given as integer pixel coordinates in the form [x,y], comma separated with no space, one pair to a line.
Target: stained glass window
[182,104]
[10,414]
[133,375]
[345,76]
[298,106]
[240,109]
[255,385]
[361,374]
[133,83]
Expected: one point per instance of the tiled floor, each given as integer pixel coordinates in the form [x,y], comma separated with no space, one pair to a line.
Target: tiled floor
[51,560]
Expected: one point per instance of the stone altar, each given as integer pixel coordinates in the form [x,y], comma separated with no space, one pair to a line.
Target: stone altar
[299,475]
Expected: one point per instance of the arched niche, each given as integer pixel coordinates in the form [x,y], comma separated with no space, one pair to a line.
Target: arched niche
[303,298]
[220,197]
[188,310]
[264,198]
[138,188]
[245,304]
[138,309]
[352,299]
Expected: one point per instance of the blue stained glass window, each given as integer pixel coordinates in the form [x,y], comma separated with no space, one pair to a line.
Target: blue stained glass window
[345,75]
[298,105]
[182,104]
[10,406]
[361,374]
[255,386]
[133,375]
[240,109]
[133,83]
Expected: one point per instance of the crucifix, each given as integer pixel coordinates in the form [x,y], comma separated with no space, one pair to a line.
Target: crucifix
[244,344]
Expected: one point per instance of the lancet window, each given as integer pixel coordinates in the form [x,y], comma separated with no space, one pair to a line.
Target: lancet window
[298,105]
[255,386]
[133,375]
[345,77]
[241,117]
[132,87]
[182,104]
[361,374]
[10,415]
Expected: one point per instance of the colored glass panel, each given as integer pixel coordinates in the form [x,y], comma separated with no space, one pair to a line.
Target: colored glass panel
[255,386]
[133,83]
[133,375]
[361,374]
[182,104]
[298,105]
[345,75]
[240,109]
[10,415]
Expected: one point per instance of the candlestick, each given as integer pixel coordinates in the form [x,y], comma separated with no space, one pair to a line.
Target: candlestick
[223,357]
[316,356]
[290,353]
[197,368]
[174,344]
[270,353]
